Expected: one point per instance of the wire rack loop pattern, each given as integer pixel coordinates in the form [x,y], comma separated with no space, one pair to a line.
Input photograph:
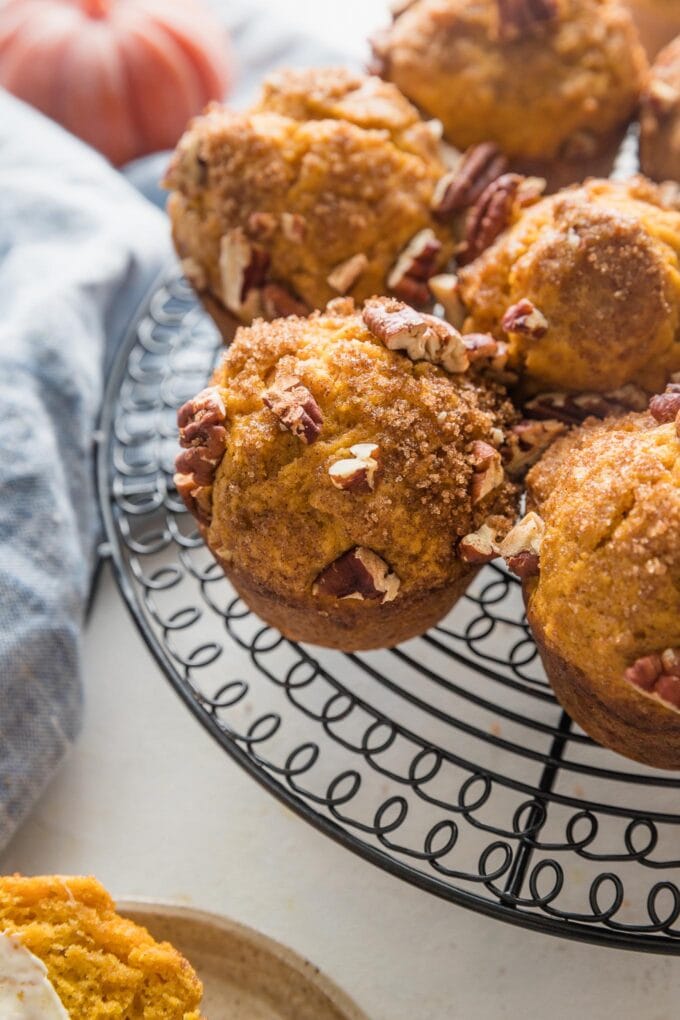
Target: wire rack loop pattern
[445,761]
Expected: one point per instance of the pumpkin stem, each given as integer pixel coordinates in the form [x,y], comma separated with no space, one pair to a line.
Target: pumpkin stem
[97,8]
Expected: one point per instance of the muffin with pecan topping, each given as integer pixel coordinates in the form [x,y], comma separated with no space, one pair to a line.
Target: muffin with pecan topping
[322,189]
[346,470]
[602,578]
[660,117]
[658,21]
[585,288]
[553,82]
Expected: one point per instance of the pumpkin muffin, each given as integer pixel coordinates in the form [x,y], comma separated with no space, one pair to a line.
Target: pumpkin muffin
[346,471]
[553,82]
[600,560]
[323,188]
[660,117]
[85,961]
[585,287]
[658,21]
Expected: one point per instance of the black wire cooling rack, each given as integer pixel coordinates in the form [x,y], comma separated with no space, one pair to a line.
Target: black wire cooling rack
[445,761]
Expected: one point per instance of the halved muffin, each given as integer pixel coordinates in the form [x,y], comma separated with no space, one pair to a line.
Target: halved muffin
[67,949]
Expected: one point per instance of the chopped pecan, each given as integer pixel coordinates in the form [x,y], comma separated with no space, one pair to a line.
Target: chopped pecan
[521,547]
[658,675]
[262,225]
[575,408]
[461,187]
[414,267]
[662,97]
[480,346]
[519,18]
[243,267]
[445,289]
[423,337]
[528,441]
[197,498]
[295,407]
[294,227]
[530,190]
[358,574]
[346,274]
[488,471]
[479,546]
[666,406]
[358,472]
[489,217]
[203,436]
[526,319]
[278,302]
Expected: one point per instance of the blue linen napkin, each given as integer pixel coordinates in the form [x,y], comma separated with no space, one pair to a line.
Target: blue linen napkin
[78,249]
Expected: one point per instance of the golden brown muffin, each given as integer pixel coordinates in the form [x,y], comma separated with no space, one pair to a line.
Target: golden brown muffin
[660,117]
[658,21]
[323,188]
[605,604]
[101,966]
[335,464]
[553,82]
[585,285]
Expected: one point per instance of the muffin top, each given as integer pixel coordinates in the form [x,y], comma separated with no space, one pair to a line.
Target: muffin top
[599,264]
[542,78]
[389,454]
[608,591]
[660,117]
[325,181]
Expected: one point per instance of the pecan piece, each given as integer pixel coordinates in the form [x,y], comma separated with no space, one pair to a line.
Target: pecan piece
[658,675]
[529,440]
[294,227]
[479,546]
[665,407]
[521,547]
[278,302]
[358,574]
[414,267]
[262,225]
[519,18]
[358,472]
[480,346]
[243,268]
[346,274]
[203,436]
[488,471]
[526,319]
[295,407]
[423,337]
[461,187]
[489,217]
[445,289]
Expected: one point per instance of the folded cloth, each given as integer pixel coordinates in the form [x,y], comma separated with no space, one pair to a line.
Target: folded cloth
[78,249]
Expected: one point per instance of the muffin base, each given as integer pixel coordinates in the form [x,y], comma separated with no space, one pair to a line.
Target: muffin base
[348,625]
[638,727]
[561,172]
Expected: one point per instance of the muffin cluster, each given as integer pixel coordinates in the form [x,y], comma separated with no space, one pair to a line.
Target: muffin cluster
[431,325]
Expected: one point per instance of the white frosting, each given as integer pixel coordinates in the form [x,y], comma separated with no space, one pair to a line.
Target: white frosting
[26,992]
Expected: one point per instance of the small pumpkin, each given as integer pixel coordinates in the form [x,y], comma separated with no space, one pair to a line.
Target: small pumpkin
[123,75]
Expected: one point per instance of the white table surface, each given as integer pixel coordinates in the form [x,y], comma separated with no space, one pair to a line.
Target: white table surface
[154,808]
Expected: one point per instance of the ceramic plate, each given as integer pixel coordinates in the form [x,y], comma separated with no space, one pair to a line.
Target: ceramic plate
[245,975]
